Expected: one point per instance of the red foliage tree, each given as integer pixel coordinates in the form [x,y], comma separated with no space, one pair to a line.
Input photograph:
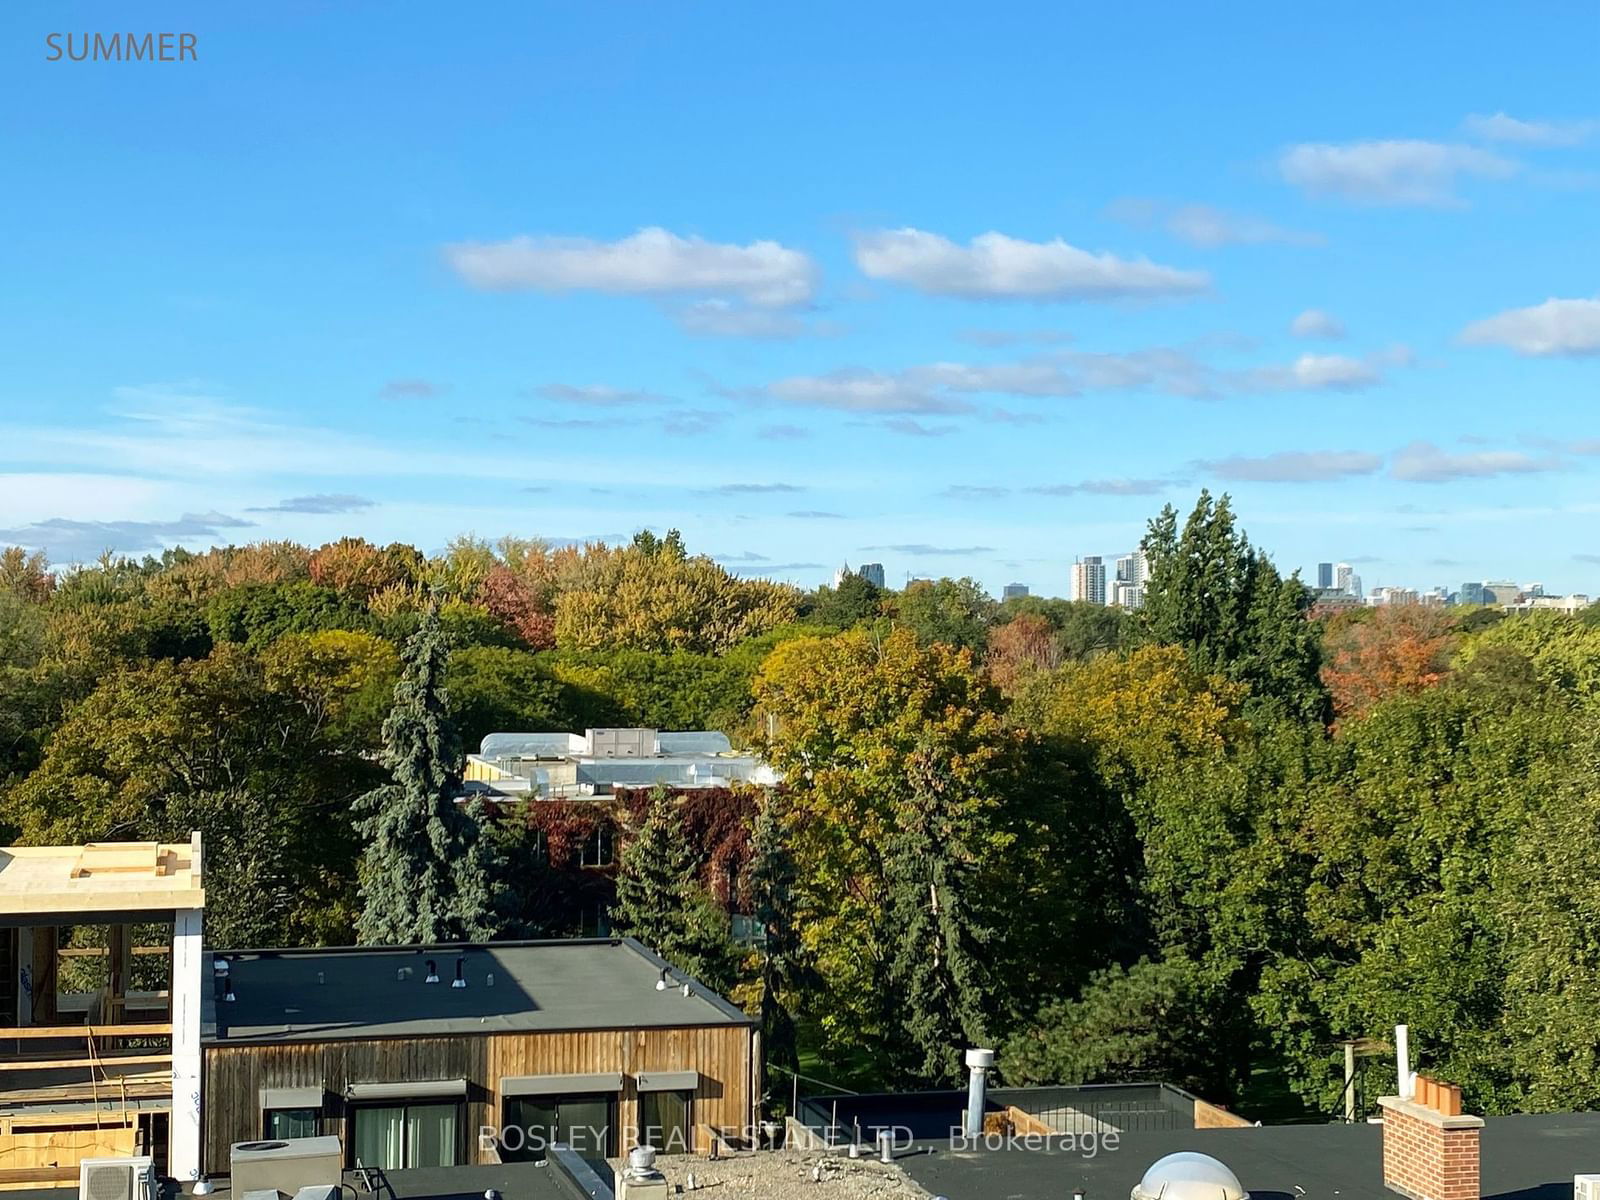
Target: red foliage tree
[512,600]
[1372,654]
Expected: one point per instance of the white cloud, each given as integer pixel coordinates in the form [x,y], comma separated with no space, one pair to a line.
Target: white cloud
[1316,323]
[1296,466]
[994,266]
[854,390]
[650,262]
[1556,327]
[1013,379]
[1315,373]
[597,395]
[1423,462]
[1398,172]
[322,504]
[1503,128]
[944,387]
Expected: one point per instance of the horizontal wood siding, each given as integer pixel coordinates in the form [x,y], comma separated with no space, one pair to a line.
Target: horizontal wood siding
[235,1075]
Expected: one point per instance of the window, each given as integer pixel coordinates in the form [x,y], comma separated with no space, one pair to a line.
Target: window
[426,1134]
[596,851]
[292,1123]
[584,1122]
[664,1121]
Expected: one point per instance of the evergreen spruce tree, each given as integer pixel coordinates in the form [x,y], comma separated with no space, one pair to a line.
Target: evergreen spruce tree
[660,903]
[943,992]
[1224,602]
[427,874]
[772,878]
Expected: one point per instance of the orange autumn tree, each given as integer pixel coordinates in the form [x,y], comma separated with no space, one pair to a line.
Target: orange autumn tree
[1020,647]
[1372,654]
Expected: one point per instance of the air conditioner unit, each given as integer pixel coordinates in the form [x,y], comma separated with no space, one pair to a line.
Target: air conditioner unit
[287,1165]
[1586,1187]
[117,1179]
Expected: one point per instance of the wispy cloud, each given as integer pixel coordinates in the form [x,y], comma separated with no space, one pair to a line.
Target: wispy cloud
[1104,487]
[993,266]
[1556,327]
[1295,466]
[733,319]
[1207,227]
[923,549]
[967,491]
[1315,372]
[70,541]
[1394,172]
[650,262]
[320,505]
[756,489]
[811,514]
[597,395]
[1502,128]
[906,427]
[1424,462]
[948,388]
[1316,323]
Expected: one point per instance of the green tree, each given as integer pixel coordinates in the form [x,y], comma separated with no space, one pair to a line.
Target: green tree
[772,880]
[957,612]
[854,601]
[660,902]
[427,874]
[1151,1021]
[876,737]
[1226,605]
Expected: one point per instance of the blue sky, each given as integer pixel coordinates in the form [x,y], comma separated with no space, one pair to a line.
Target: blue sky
[961,289]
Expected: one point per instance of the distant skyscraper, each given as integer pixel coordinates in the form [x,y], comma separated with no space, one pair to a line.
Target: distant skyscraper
[1324,575]
[1500,591]
[1089,579]
[838,576]
[872,573]
[1471,593]
[1346,580]
[1133,572]
[1014,591]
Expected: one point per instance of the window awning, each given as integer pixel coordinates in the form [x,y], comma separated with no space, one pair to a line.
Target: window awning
[426,1089]
[556,1085]
[308,1097]
[667,1081]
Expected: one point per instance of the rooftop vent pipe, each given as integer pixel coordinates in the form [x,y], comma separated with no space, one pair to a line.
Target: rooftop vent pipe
[979,1063]
[433,972]
[461,972]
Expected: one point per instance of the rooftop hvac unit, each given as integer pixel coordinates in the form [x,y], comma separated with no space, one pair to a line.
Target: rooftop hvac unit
[117,1179]
[1586,1187]
[287,1165]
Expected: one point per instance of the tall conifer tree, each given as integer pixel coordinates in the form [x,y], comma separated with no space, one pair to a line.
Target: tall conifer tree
[427,874]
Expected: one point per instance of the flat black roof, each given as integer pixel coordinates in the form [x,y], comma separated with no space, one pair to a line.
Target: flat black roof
[373,992]
[1523,1158]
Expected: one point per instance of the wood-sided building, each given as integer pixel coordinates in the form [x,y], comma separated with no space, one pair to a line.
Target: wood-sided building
[438,1056]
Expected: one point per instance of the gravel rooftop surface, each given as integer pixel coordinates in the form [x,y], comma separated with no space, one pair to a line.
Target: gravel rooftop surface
[787,1174]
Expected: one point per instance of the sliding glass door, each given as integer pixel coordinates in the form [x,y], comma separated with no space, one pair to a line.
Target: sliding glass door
[408,1135]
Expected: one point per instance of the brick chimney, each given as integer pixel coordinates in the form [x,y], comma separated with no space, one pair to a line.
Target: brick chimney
[1430,1149]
